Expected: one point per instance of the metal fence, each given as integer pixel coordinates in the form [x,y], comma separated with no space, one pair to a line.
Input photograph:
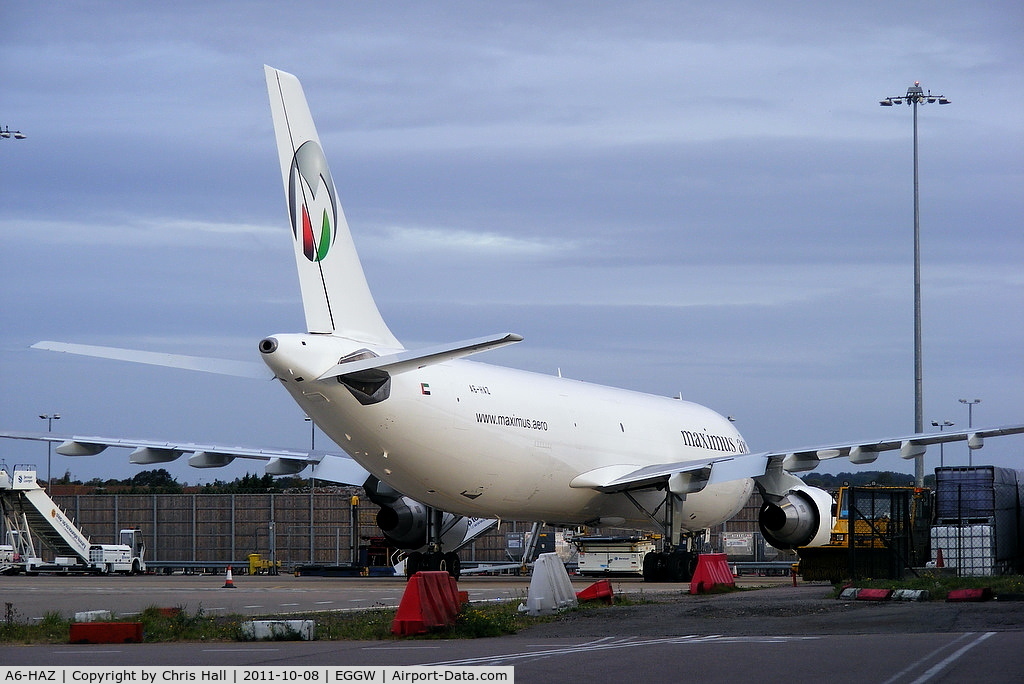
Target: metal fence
[318,527]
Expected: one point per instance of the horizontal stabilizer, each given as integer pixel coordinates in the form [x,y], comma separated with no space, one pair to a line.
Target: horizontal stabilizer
[418,358]
[241,369]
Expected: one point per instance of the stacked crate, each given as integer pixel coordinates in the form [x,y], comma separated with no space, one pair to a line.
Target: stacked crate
[979,522]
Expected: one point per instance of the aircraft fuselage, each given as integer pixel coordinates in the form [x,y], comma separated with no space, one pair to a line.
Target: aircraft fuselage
[483,440]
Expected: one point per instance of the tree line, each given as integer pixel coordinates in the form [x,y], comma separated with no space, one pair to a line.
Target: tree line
[159,481]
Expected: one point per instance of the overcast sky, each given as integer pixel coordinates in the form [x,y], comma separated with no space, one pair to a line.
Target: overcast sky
[703,200]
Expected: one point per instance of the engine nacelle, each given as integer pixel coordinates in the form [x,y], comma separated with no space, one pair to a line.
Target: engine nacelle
[403,521]
[802,517]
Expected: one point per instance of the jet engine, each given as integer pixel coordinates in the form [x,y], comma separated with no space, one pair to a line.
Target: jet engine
[800,517]
[403,521]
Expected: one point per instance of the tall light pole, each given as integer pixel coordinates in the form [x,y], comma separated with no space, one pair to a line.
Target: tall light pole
[970,423]
[49,418]
[916,96]
[942,452]
[312,447]
[6,133]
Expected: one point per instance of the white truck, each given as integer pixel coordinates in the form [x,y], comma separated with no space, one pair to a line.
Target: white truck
[612,555]
[10,560]
[125,558]
[28,513]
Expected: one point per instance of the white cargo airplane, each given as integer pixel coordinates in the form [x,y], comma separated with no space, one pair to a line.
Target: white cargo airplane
[485,441]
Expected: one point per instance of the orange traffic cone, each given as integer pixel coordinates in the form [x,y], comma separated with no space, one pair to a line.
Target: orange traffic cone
[938,559]
[228,582]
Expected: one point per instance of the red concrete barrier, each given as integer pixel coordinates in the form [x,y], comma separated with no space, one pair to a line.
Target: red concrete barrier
[874,594]
[969,594]
[105,633]
[600,590]
[431,599]
[712,570]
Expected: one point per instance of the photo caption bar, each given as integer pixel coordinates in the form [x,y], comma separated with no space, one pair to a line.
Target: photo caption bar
[336,674]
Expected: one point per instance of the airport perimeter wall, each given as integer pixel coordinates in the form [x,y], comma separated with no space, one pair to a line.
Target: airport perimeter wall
[291,528]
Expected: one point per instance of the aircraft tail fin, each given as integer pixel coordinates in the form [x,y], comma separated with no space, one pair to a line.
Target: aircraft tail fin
[335,295]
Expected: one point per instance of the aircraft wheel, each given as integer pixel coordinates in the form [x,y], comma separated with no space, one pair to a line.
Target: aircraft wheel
[676,567]
[681,565]
[413,563]
[451,564]
[691,566]
[654,567]
[434,561]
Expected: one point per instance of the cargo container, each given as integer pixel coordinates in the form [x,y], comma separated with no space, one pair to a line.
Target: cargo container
[979,523]
[970,494]
[971,549]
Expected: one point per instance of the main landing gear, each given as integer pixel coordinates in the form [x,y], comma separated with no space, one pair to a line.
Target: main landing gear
[433,560]
[676,565]
[677,560]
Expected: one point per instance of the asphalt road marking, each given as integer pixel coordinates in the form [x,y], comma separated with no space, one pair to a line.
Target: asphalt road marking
[607,643]
[939,667]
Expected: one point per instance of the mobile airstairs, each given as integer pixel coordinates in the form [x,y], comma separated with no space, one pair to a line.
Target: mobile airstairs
[27,514]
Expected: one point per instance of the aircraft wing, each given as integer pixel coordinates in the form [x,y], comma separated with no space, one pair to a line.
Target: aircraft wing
[686,477]
[326,465]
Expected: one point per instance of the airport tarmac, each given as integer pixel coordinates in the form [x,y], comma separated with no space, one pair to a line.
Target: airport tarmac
[783,633]
[33,597]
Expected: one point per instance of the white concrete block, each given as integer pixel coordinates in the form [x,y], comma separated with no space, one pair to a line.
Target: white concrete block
[550,588]
[93,616]
[279,630]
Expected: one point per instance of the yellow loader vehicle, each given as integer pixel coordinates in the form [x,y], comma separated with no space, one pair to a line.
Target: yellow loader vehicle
[879,532]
